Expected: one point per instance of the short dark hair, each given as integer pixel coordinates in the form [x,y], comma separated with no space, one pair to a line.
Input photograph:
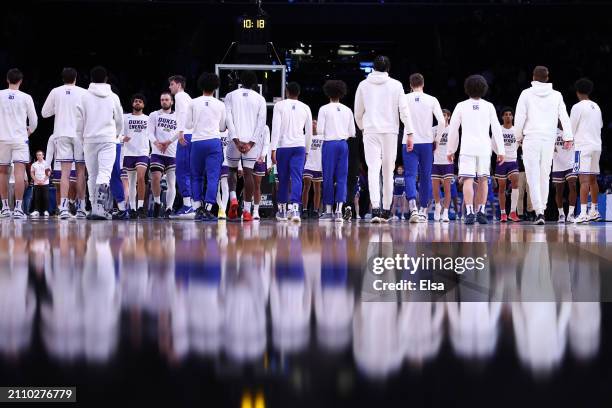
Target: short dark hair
[69,75]
[447,111]
[14,75]
[39,151]
[475,86]
[166,92]
[584,86]
[208,82]
[382,63]
[540,73]
[179,79]
[138,96]
[248,79]
[98,74]
[335,89]
[506,109]
[416,80]
[293,89]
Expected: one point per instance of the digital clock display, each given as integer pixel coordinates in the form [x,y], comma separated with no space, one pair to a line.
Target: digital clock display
[253,29]
[249,23]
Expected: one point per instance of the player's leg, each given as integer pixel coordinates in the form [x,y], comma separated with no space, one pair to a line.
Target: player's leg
[572,196]
[435,189]
[501,193]
[171,192]
[425,154]
[307,180]
[214,160]
[282,195]
[594,187]
[316,196]
[481,198]
[341,173]
[296,170]
[559,190]
[141,184]
[411,165]
[329,168]
[247,195]
[223,193]
[116,186]
[66,166]
[4,190]
[157,170]
[389,154]
[522,192]
[259,172]
[373,150]
[197,166]
[234,156]
[514,194]
[19,169]
[447,198]
[183,177]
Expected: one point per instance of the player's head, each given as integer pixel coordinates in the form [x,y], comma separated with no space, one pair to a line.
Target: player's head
[208,82]
[293,90]
[40,155]
[176,83]
[584,87]
[14,76]
[248,79]
[98,75]
[138,102]
[417,81]
[165,100]
[447,114]
[507,115]
[69,75]
[400,169]
[382,64]
[540,73]
[475,86]
[335,89]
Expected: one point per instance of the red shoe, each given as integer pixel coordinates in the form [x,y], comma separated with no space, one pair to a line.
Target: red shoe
[514,217]
[246,216]
[233,210]
[504,218]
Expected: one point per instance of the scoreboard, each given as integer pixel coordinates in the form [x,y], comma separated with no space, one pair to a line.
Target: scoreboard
[253,29]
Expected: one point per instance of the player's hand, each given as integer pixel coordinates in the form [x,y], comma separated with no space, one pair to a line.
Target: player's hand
[260,159]
[409,143]
[29,132]
[181,139]
[500,159]
[240,173]
[237,143]
[450,158]
[126,138]
[568,144]
[273,157]
[246,147]
[158,145]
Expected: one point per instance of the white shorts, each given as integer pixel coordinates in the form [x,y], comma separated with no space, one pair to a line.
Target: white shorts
[11,152]
[587,162]
[474,166]
[234,156]
[69,149]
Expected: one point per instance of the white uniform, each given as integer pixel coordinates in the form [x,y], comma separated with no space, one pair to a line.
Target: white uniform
[62,102]
[313,161]
[476,117]
[182,105]
[440,154]
[335,121]
[17,115]
[291,125]
[161,128]
[40,172]
[246,118]
[135,127]
[586,125]
[423,108]
[206,117]
[563,159]
[510,144]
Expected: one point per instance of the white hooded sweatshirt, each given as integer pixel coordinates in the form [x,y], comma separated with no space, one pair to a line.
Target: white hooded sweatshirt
[378,101]
[538,111]
[99,115]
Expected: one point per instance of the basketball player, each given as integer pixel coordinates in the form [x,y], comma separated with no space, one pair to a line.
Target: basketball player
[399,192]
[509,169]
[336,124]
[62,102]
[136,154]
[99,122]
[313,175]
[291,139]
[442,171]
[586,123]
[476,117]
[562,172]
[206,116]
[161,129]
[417,153]
[538,110]
[246,118]
[183,148]
[379,101]
[260,169]
[17,122]
[223,192]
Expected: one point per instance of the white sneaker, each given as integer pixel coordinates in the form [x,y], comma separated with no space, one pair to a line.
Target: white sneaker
[561,219]
[34,214]
[570,217]
[64,214]
[414,216]
[256,216]
[81,214]
[295,217]
[437,212]
[583,218]
[18,214]
[281,216]
[423,216]
[6,213]
[46,214]
[594,216]
[444,218]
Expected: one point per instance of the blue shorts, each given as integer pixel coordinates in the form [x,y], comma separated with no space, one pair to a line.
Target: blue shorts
[312,174]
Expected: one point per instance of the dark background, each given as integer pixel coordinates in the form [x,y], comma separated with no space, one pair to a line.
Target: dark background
[143,42]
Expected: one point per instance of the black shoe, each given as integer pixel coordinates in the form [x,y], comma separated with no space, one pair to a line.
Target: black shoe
[314,215]
[168,213]
[470,219]
[72,208]
[121,215]
[348,213]
[199,215]
[375,216]
[156,210]
[540,220]
[481,218]
[133,214]
[207,216]
[141,213]
[385,215]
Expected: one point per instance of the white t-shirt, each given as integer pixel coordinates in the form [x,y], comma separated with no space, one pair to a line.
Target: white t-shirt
[441,148]
[246,112]
[335,122]
[224,142]
[17,114]
[475,117]
[313,161]
[182,104]
[62,103]
[510,144]
[135,127]
[291,125]
[206,115]
[40,169]
[162,127]
[423,108]
[563,159]
[586,126]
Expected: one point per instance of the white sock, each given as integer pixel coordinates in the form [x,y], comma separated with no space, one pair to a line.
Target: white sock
[187,201]
[63,203]
[481,208]
[583,209]
[121,206]
[438,207]
[81,204]
[339,207]
[208,207]
[256,208]
[328,208]
[593,209]
[197,204]
[445,212]
[412,204]
[18,204]
[233,195]
[570,210]
[140,203]
[514,199]
[157,199]
[5,203]
[502,212]
[281,207]
[561,211]
[469,208]
[296,207]
[247,206]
